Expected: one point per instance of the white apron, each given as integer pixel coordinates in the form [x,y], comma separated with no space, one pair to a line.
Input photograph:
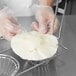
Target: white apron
[20,7]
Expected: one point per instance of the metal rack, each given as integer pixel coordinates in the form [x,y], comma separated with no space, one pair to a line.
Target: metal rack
[29,65]
[37,67]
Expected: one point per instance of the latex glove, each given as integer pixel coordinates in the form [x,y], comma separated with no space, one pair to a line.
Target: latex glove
[47,23]
[8,25]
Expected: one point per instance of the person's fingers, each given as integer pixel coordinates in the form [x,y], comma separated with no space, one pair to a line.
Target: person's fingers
[7,35]
[13,28]
[53,26]
[12,24]
[43,28]
[6,31]
[39,27]
[51,23]
[9,32]
[57,24]
[35,26]
[50,28]
[13,20]
[42,21]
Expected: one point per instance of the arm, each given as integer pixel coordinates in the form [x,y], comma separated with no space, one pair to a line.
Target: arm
[47,2]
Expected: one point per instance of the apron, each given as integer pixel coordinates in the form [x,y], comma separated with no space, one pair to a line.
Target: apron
[20,7]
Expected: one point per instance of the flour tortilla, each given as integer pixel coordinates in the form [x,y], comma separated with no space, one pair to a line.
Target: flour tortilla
[34,46]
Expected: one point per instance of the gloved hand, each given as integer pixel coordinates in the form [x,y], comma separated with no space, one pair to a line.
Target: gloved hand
[47,22]
[8,25]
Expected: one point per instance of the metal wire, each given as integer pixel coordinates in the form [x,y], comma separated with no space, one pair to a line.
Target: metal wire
[43,62]
[59,36]
[30,68]
[3,51]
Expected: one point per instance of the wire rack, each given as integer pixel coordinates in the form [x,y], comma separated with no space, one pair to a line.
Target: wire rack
[42,66]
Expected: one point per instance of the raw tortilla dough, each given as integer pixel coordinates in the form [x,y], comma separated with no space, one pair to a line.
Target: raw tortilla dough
[34,46]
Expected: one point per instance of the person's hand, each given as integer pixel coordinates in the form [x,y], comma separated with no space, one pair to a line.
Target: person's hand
[8,26]
[47,22]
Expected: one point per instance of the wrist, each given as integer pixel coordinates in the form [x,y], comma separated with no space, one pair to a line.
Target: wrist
[47,2]
[43,7]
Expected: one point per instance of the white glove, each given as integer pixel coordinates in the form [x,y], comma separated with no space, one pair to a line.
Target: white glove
[47,22]
[8,25]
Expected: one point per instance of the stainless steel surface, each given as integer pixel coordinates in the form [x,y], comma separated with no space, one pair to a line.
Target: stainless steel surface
[68,38]
[4,45]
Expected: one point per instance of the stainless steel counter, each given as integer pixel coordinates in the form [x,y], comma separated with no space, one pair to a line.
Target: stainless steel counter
[63,65]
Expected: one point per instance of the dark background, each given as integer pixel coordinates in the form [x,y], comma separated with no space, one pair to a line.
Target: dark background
[71,7]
